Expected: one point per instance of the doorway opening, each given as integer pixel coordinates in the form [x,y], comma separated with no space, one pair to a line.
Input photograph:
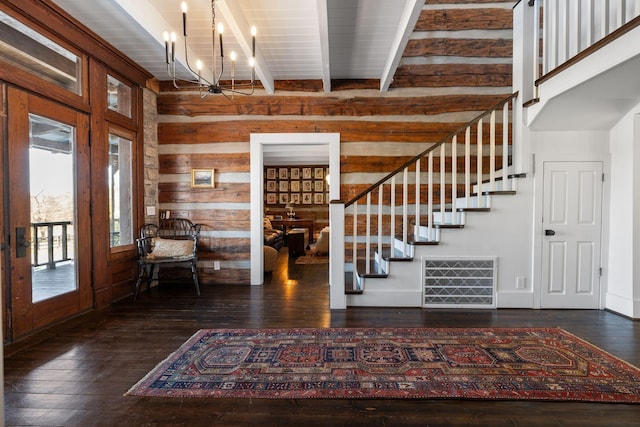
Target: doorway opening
[265,142]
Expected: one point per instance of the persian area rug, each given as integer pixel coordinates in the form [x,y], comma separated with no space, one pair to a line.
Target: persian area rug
[312,258]
[513,364]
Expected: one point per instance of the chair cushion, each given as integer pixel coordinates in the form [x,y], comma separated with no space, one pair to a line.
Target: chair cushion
[322,245]
[170,248]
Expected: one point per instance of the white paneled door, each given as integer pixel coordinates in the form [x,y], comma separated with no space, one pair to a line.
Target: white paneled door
[572,230]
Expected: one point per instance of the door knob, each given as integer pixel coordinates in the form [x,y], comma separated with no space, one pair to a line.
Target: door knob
[549,232]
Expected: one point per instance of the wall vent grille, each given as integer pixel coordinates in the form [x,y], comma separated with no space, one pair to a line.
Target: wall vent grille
[459,282]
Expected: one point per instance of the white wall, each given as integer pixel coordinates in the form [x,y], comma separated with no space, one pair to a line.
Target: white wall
[623,293]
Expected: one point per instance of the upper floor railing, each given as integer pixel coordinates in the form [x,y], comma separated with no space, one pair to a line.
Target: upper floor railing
[565,28]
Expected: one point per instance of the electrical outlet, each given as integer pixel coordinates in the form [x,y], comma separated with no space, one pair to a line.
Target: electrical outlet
[216,265]
[521,282]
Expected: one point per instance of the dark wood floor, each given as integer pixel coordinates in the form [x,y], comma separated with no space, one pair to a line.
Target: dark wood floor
[77,376]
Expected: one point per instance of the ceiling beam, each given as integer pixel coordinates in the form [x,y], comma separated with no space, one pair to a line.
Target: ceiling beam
[323,26]
[237,22]
[406,25]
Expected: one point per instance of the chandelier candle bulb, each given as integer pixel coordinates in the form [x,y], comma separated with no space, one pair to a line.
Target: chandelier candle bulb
[173,46]
[183,6]
[220,31]
[253,40]
[165,35]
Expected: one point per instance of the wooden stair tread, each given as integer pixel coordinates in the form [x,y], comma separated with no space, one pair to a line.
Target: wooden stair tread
[395,255]
[473,209]
[411,240]
[448,225]
[349,285]
[499,193]
[374,269]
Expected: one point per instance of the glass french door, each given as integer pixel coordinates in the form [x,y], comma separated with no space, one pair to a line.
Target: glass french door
[49,197]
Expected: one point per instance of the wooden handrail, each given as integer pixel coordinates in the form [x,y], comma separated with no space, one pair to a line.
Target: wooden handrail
[428,150]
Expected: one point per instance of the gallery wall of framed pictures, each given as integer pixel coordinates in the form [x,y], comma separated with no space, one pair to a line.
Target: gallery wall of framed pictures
[303,185]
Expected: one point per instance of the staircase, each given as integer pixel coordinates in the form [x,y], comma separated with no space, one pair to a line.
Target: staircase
[432,232]
[391,227]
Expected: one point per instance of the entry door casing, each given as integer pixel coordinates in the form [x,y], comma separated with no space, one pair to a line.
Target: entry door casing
[572,233]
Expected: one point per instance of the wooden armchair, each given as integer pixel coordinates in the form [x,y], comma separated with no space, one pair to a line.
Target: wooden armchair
[174,242]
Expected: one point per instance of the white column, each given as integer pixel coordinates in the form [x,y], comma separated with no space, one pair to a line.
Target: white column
[337,296]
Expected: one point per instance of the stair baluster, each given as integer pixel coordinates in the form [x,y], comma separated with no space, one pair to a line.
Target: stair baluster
[492,152]
[454,179]
[479,165]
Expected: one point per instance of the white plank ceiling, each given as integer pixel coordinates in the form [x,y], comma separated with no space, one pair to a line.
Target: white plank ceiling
[302,39]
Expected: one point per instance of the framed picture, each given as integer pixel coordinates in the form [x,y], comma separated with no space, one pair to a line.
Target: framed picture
[201,178]
[271,186]
[283,173]
[319,186]
[284,186]
[295,173]
[307,185]
[318,173]
[284,198]
[317,198]
[271,198]
[295,186]
[294,198]
[271,173]
[306,173]
[306,198]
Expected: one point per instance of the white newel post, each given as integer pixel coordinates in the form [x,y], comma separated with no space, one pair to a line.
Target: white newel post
[525,63]
[337,295]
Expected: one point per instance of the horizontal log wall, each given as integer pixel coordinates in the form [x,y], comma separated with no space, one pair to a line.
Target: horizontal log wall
[456,65]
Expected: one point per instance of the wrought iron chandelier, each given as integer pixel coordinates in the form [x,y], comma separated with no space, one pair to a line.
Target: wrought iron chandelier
[204,85]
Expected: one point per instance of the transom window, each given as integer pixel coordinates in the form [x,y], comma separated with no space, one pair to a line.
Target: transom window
[34,53]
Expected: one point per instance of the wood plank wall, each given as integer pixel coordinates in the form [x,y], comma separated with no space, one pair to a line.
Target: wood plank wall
[456,65]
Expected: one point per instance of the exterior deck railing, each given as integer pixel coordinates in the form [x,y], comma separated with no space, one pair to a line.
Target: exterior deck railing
[55,243]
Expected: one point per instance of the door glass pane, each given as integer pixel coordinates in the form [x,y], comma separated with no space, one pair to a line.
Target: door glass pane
[53,207]
[120,191]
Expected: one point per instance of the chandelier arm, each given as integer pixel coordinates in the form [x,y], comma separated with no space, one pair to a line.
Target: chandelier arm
[191,70]
[236,91]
